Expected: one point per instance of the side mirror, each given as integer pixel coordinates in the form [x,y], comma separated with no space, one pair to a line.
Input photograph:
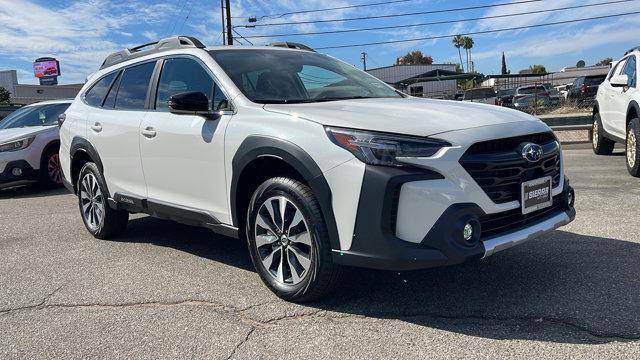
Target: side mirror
[619,81]
[190,103]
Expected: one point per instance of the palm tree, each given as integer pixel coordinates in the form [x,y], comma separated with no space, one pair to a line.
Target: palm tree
[467,44]
[458,43]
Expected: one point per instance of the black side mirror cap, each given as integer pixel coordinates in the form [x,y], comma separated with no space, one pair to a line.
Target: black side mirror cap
[190,103]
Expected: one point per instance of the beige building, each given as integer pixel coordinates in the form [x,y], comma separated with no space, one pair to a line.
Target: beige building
[24,94]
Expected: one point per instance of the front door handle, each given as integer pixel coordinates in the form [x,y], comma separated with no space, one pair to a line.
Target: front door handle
[148,132]
[97,127]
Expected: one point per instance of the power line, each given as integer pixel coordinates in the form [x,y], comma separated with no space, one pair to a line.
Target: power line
[437,22]
[331,9]
[403,14]
[186,17]
[176,20]
[479,32]
[240,35]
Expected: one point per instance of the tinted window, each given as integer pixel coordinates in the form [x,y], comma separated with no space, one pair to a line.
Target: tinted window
[43,115]
[95,95]
[132,92]
[616,69]
[532,90]
[477,94]
[630,71]
[110,101]
[597,80]
[183,75]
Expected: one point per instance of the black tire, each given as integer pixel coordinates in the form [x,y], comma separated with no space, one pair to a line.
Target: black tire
[633,147]
[50,171]
[113,222]
[600,144]
[322,275]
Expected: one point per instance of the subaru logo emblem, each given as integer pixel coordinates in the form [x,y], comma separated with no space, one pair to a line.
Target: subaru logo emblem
[531,152]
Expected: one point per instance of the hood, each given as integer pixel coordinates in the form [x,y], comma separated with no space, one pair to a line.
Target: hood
[411,116]
[7,135]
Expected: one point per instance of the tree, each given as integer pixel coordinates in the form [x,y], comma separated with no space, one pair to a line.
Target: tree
[467,44]
[538,69]
[458,43]
[505,71]
[605,61]
[5,96]
[415,57]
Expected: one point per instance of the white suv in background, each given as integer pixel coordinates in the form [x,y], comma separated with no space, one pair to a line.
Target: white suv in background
[315,163]
[29,145]
[616,112]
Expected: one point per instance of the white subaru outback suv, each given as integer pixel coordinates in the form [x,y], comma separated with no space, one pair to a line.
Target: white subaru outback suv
[616,112]
[315,163]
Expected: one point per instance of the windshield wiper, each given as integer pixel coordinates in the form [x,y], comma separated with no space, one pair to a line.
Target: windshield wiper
[342,98]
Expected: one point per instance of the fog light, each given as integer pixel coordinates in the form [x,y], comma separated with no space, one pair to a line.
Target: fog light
[571,198]
[16,171]
[467,232]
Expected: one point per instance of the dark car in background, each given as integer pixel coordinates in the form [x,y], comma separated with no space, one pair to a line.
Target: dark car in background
[584,89]
[505,97]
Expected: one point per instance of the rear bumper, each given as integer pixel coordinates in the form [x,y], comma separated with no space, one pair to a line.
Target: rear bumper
[375,244]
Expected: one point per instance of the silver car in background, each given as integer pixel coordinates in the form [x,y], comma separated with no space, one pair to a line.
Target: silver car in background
[532,96]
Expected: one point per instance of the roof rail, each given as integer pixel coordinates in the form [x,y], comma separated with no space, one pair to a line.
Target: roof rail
[171,43]
[291,45]
[632,50]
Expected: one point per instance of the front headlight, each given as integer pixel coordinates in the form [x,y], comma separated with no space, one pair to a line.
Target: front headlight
[376,148]
[17,144]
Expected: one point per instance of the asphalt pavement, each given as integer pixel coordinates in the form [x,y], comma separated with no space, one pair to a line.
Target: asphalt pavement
[165,290]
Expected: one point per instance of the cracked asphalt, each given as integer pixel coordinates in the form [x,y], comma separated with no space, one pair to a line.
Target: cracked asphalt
[165,290]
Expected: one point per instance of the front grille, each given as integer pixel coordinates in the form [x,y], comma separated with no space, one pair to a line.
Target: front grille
[494,224]
[499,169]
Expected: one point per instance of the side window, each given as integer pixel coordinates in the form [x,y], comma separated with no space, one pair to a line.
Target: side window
[616,69]
[134,84]
[110,101]
[630,71]
[96,94]
[183,75]
[220,102]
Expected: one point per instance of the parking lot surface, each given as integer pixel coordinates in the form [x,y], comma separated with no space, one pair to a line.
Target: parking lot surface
[165,290]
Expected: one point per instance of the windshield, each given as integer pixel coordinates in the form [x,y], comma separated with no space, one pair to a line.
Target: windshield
[39,115]
[278,76]
[594,80]
[531,90]
[481,93]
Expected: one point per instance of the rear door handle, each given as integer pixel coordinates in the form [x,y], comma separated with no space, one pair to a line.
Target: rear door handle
[96,127]
[148,132]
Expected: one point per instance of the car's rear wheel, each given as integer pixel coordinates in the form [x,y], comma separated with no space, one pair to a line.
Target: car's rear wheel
[50,170]
[633,147]
[600,144]
[99,219]
[288,241]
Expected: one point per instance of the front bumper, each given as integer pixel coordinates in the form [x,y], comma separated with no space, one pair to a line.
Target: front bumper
[27,174]
[376,243]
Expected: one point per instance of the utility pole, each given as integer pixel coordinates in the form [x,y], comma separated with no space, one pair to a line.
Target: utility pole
[229,28]
[364,60]
[224,33]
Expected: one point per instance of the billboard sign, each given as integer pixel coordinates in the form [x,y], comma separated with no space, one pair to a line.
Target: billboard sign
[47,70]
[46,67]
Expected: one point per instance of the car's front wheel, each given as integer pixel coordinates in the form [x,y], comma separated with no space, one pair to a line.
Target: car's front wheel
[633,147]
[288,241]
[50,171]
[101,221]
[600,144]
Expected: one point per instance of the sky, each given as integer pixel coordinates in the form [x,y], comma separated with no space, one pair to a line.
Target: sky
[81,33]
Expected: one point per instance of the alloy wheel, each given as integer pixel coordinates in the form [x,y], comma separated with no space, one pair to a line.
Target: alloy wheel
[92,202]
[53,169]
[283,240]
[631,148]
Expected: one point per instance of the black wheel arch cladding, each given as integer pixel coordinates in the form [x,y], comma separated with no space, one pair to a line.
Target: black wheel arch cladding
[254,147]
[79,144]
